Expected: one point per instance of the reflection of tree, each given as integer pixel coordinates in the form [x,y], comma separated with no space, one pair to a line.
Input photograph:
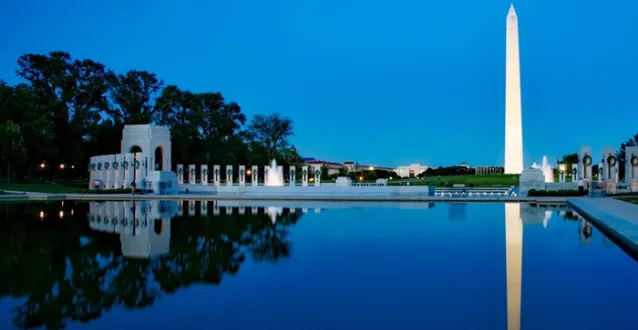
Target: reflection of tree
[69,272]
[269,242]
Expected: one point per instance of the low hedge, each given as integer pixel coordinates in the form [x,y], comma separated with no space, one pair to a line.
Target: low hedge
[555,193]
[108,191]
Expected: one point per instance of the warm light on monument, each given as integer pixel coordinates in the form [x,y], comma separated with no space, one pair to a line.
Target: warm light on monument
[513,121]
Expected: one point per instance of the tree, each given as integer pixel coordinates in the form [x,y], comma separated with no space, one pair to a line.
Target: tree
[11,145]
[272,132]
[131,96]
[72,93]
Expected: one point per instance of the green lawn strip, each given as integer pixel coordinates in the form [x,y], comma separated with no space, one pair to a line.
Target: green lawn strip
[633,200]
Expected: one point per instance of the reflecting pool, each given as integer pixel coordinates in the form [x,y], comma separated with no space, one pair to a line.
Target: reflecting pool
[232,265]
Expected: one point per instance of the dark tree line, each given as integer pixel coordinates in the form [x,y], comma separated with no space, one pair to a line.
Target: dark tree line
[70,109]
[67,272]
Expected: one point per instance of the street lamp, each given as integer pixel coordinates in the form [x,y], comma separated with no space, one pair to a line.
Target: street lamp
[42,165]
[61,166]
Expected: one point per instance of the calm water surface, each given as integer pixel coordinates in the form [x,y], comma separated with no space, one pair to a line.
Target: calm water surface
[215,265]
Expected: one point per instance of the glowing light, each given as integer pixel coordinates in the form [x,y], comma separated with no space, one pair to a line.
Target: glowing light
[371,168]
[71,211]
[562,167]
[248,172]
[360,178]
[312,179]
[42,165]
[61,166]
[61,214]
[41,215]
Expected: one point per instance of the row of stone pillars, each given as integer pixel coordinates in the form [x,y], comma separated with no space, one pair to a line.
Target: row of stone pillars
[308,174]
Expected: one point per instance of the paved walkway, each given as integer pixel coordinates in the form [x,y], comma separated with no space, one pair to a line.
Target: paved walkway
[615,218]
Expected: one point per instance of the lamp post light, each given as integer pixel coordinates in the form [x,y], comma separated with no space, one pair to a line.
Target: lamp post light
[562,172]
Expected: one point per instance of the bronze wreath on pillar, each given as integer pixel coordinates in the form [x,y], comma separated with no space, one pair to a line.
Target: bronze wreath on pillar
[611,160]
[587,160]
[634,160]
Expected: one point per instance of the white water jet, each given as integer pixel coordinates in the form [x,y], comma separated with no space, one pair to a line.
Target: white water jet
[274,178]
[274,212]
[548,171]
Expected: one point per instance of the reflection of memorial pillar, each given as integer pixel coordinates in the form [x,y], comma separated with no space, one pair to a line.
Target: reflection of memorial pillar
[229,210]
[191,208]
[254,175]
[217,175]
[180,173]
[514,263]
[180,208]
[242,175]
[254,210]
[304,210]
[215,208]
[304,176]
[204,208]
[242,210]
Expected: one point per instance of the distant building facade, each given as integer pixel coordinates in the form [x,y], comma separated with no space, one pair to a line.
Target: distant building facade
[484,170]
[411,171]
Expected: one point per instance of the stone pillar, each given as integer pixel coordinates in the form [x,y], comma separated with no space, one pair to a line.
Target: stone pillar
[217,175]
[574,172]
[118,173]
[254,175]
[610,164]
[585,162]
[266,169]
[292,172]
[242,175]
[191,174]
[317,174]
[180,173]
[280,171]
[304,176]
[229,175]
[204,174]
[128,170]
[215,208]
[108,173]
[631,167]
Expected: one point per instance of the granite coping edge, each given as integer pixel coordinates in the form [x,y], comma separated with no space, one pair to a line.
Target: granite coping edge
[626,244]
[407,198]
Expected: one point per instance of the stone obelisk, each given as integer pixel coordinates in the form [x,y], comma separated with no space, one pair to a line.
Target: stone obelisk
[513,121]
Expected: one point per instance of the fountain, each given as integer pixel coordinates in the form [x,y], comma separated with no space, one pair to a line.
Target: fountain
[548,171]
[275,178]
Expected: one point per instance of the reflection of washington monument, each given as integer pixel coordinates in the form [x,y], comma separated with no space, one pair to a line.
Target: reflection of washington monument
[514,262]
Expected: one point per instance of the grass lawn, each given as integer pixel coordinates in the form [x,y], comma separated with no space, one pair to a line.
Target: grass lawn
[476,180]
[38,187]
[630,200]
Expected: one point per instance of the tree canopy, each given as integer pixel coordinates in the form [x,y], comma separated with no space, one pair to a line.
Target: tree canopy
[69,109]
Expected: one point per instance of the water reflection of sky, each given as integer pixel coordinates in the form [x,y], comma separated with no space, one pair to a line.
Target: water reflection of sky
[407,268]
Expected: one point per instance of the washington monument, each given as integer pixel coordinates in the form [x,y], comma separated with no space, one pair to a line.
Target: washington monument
[513,121]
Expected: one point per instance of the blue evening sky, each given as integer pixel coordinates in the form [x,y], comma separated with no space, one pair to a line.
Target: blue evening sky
[379,82]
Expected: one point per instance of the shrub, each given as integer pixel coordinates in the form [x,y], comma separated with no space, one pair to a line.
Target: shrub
[556,193]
